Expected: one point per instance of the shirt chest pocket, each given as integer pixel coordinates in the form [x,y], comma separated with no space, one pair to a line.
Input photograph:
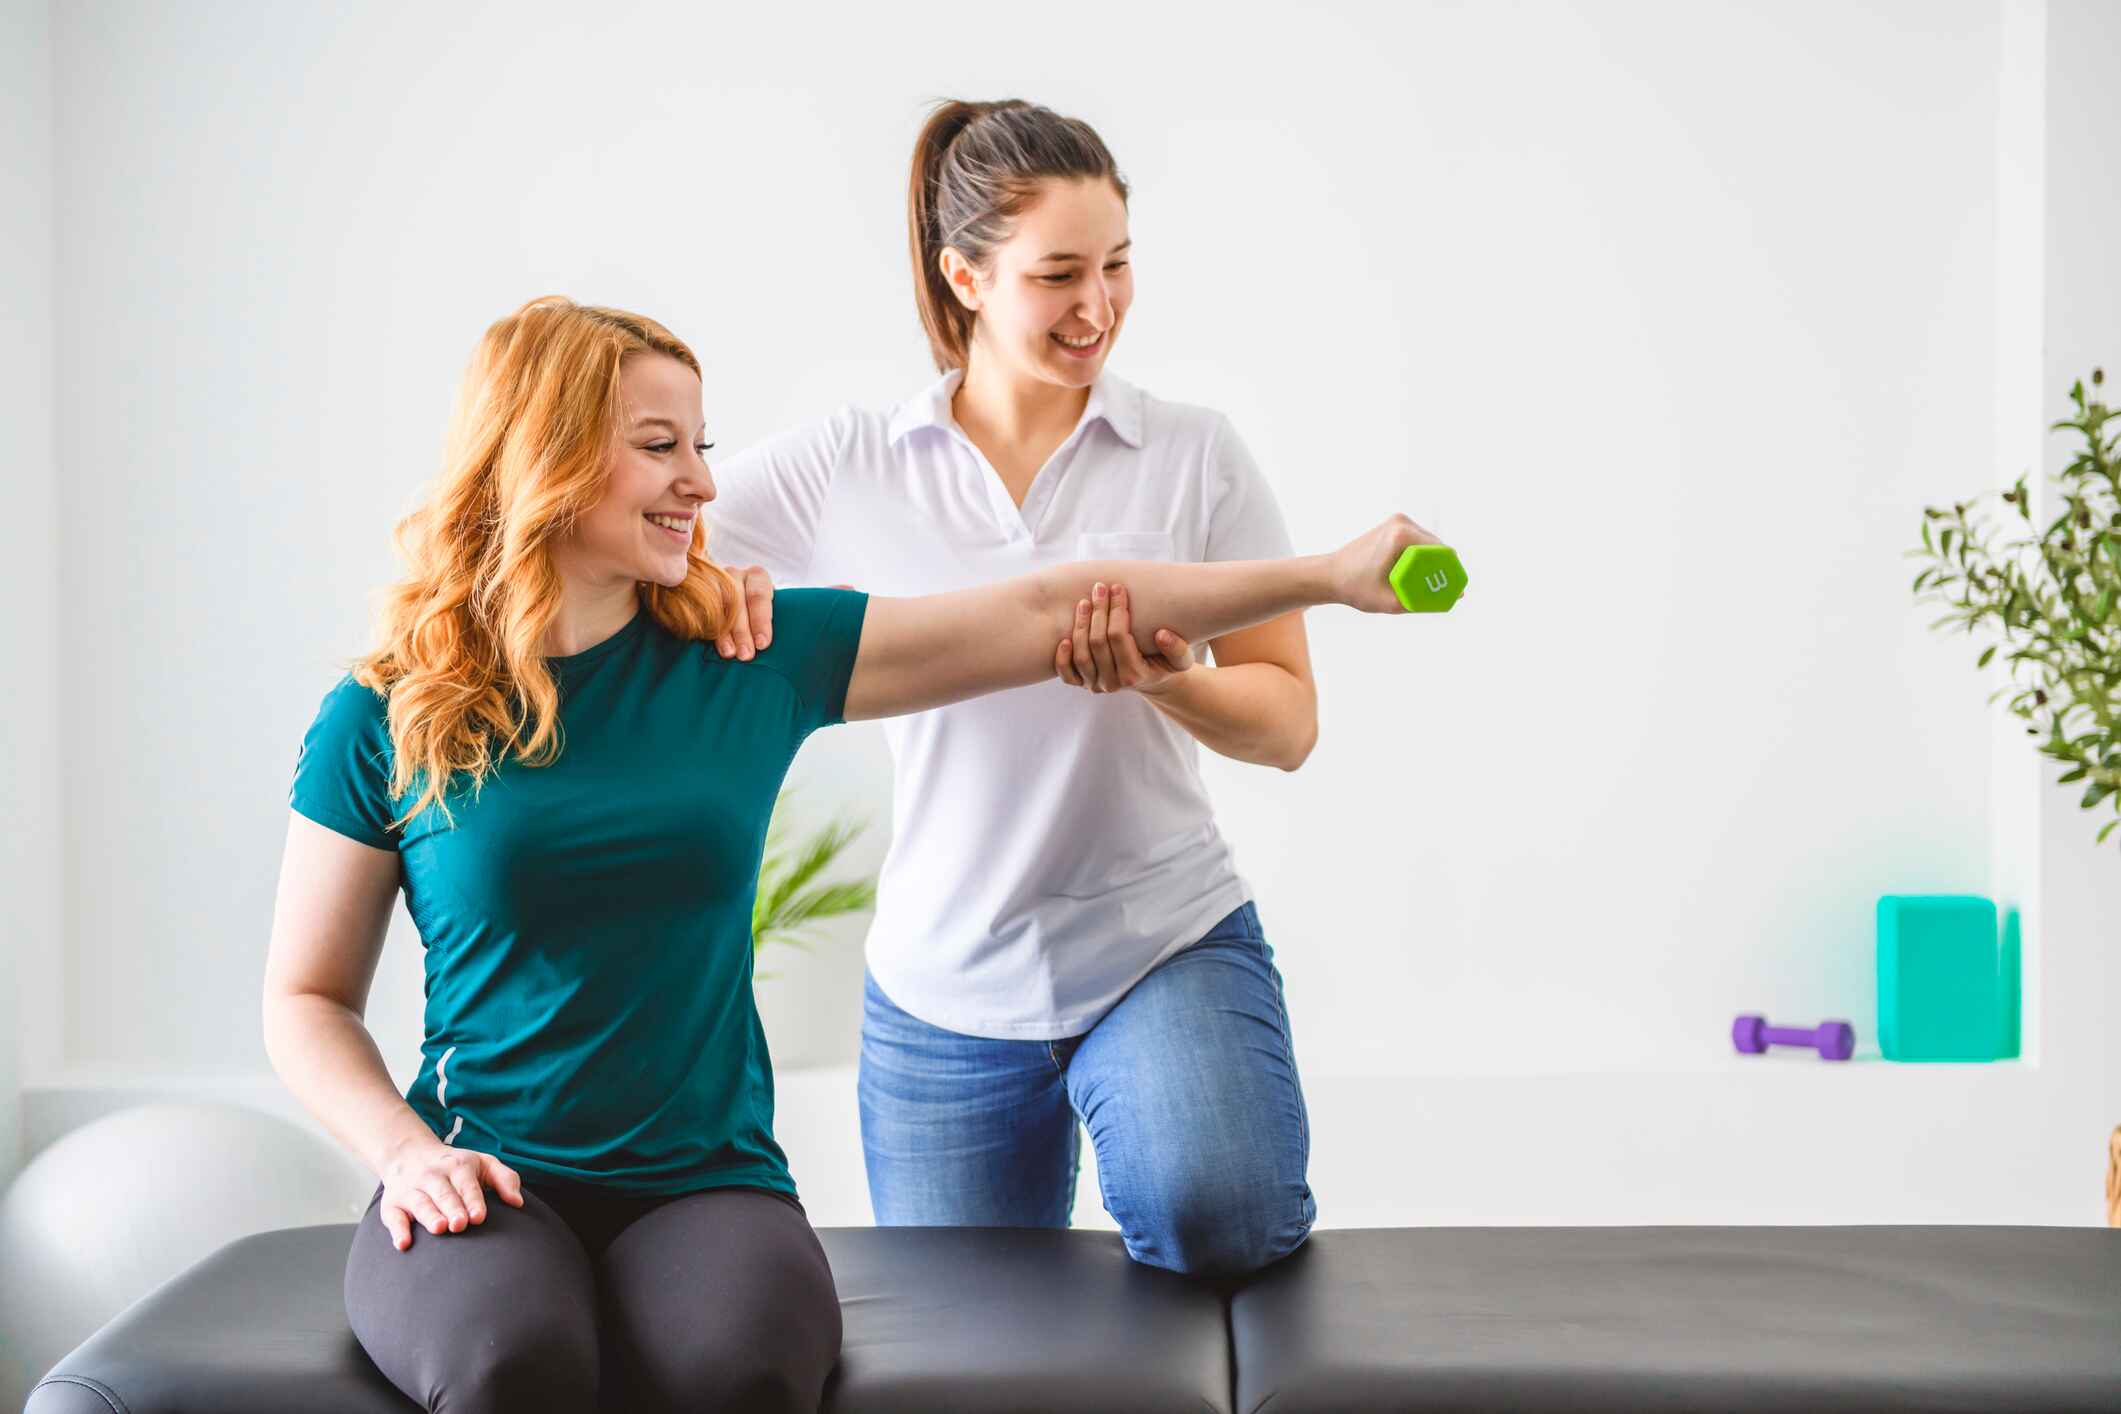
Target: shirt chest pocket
[1126,545]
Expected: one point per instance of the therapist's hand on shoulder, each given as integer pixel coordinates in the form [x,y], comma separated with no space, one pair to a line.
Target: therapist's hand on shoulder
[753,628]
[1100,653]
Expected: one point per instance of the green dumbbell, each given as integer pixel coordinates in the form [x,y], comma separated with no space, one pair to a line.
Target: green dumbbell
[1428,578]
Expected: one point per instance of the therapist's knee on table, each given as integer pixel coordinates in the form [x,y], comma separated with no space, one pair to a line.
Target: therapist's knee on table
[1217,1228]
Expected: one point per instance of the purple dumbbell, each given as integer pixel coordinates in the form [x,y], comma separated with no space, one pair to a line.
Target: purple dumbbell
[1834,1040]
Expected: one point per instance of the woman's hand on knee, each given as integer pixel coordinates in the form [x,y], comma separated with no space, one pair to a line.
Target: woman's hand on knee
[441,1187]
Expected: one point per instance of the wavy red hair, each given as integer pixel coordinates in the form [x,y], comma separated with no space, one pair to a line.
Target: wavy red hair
[461,658]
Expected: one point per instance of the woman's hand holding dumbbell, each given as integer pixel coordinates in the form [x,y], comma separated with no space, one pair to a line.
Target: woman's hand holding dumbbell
[1361,569]
[1397,568]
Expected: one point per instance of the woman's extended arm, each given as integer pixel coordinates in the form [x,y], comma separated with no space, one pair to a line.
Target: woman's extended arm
[942,648]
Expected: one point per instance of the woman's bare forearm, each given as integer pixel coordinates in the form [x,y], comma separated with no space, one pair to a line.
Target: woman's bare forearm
[943,648]
[325,1056]
[1195,601]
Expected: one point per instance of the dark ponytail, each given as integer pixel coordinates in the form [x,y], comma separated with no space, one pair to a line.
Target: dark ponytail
[976,167]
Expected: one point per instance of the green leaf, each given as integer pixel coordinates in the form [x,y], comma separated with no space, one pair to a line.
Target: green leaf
[789,897]
[2096,792]
[1986,654]
[2105,830]
[2069,776]
[2103,605]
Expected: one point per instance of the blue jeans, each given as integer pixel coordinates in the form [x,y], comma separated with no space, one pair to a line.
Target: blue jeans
[1188,1087]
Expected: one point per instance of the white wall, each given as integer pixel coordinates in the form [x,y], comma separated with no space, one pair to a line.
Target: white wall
[30,804]
[1671,315]
[2080,884]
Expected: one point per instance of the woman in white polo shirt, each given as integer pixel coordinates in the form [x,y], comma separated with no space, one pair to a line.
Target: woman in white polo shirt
[1061,931]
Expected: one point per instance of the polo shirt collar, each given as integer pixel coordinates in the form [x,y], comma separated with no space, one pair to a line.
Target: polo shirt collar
[1114,400]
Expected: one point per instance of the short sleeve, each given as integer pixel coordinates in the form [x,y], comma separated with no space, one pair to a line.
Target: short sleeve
[816,635]
[770,498]
[342,773]
[1244,519]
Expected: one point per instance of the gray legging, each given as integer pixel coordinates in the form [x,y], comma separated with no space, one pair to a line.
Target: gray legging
[582,1300]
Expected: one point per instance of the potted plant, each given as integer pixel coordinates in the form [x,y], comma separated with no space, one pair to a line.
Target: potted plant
[2050,599]
[807,1026]
[793,895]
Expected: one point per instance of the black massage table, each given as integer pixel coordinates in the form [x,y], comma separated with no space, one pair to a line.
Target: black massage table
[1468,1320]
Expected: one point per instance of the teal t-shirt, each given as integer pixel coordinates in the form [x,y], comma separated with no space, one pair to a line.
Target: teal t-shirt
[587,924]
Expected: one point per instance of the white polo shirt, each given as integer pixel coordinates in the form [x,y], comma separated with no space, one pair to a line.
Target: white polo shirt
[1049,845]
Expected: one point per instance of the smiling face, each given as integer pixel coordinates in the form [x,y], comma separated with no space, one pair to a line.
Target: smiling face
[643,527]
[1051,304]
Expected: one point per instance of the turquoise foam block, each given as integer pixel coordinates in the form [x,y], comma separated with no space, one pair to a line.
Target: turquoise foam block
[1947,983]
[2007,988]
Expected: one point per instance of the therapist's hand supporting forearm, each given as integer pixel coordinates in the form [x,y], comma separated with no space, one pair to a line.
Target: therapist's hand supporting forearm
[1258,704]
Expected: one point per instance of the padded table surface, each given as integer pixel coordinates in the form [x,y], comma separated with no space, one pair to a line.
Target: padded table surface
[257,1328]
[1811,1319]
[949,1321]
[979,1320]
